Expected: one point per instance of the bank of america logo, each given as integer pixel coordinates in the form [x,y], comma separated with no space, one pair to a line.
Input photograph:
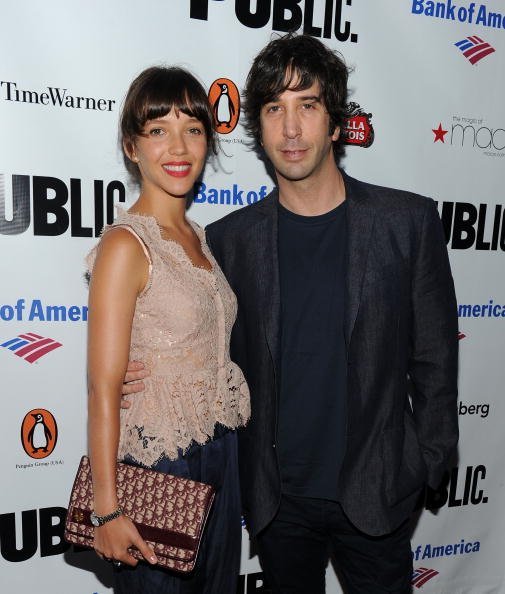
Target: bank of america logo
[30,346]
[421,575]
[474,48]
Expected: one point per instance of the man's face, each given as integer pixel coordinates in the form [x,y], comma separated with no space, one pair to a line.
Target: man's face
[295,134]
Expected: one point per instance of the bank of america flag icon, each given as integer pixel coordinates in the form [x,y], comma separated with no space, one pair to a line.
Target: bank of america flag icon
[421,575]
[474,48]
[31,346]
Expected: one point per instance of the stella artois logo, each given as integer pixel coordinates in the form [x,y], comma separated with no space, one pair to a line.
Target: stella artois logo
[358,128]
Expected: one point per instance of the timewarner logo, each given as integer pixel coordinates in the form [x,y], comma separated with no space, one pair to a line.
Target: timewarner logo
[53,97]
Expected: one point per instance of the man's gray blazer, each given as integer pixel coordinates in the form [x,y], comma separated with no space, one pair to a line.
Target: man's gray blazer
[401,336]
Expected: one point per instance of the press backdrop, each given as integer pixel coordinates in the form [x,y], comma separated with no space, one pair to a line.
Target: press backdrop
[427,89]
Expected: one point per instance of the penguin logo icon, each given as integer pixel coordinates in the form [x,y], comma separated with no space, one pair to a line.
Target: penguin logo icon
[39,433]
[225,100]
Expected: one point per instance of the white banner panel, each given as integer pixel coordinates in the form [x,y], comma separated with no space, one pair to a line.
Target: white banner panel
[428,78]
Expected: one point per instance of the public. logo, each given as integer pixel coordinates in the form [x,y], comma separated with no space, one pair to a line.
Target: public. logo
[459,487]
[474,48]
[225,101]
[422,575]
[42,531]
[30,346]
[480,227]
[39,433]
[289,15]
[358,129]
[55,206]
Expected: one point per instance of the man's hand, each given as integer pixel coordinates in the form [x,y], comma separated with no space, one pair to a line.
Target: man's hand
[135,373]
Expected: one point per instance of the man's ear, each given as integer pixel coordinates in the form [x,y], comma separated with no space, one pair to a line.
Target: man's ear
[336,134]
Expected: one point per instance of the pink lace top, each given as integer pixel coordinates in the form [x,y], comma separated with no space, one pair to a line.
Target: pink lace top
[181,331]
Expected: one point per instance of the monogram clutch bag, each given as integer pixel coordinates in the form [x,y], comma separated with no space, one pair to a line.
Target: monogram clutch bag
[169,512]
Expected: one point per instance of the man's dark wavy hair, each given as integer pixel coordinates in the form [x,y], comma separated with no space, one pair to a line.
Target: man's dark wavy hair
[296,62]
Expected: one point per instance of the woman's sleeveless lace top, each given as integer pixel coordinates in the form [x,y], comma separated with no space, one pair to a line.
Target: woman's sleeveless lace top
[181,331]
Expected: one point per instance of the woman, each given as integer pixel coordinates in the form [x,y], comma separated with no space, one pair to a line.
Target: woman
[157,295]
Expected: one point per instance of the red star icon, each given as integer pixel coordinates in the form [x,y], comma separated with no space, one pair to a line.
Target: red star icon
[439,133]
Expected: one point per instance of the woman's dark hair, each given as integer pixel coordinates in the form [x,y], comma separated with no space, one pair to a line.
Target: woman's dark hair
[296,62]
[153,94]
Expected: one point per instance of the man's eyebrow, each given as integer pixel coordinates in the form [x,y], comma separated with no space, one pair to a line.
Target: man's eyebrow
[316,98]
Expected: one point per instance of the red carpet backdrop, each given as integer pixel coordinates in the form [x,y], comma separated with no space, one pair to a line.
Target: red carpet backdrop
[426,114]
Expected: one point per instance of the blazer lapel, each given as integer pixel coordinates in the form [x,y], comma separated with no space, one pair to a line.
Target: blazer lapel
[360,221]
[267,266]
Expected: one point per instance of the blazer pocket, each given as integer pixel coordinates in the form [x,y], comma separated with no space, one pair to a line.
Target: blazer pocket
[404,465]
[386,274]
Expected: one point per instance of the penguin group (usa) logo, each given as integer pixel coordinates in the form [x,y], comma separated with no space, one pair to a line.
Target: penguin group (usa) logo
[358,129]
[30,346]
[224,98]
[39,433]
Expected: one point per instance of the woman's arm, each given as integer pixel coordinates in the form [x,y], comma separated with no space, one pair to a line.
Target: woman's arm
[119,274]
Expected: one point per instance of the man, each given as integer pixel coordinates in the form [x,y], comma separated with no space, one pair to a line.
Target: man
[346,301]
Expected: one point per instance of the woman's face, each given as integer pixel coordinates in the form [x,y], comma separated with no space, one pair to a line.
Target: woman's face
[170,154]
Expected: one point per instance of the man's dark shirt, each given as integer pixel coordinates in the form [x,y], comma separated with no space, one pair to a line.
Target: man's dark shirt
[311,417]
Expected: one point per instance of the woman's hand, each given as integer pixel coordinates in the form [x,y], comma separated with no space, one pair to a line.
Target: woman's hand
[113,539]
